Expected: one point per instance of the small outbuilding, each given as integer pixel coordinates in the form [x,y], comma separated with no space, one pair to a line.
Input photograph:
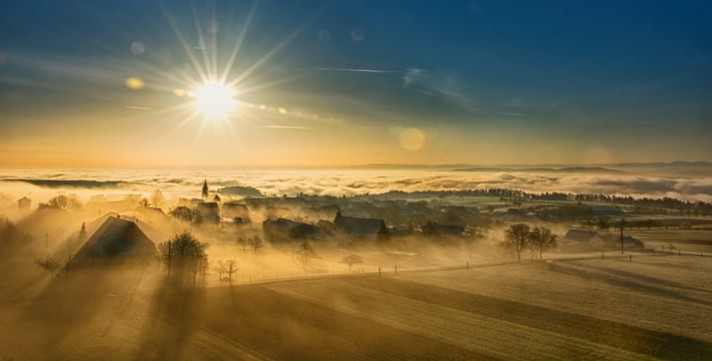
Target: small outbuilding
[24,203]
[581,241]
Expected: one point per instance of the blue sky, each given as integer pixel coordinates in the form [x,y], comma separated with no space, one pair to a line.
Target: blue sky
[484,81]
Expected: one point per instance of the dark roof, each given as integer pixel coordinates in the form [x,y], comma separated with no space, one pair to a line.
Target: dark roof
[117,238]
[209,211]
[280,228]
[436,229]
[234,210]
[362,227]
[580,235]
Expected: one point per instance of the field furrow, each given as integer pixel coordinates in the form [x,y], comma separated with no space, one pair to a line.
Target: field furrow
[497,338]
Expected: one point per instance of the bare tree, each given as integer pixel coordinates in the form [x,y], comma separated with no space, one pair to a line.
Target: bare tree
[231,268]
[65,202]
[541,238]
[256,243]
[49,264]
[352,260]
[305,253]
[243,241]
[184,253]
[517,236]
[220,269]
[157,198]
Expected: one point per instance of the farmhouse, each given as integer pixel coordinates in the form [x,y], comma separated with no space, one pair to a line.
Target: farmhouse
[209,212]
[629,243]
[116,240]
[237,212]
[362,228]
[581,241]
[436,229]
[281,230]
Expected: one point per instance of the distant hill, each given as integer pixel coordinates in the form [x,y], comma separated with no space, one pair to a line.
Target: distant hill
[244,191]
[542,169]
[62,183]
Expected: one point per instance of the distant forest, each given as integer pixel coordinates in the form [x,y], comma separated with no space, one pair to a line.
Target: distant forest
[641,205]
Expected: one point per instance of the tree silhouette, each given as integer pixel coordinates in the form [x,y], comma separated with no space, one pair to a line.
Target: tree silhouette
[305,253]
[256,243]
[184,253]
[49,264]
[157,198]
[65,202]
[541,238]
[352,260]
[518,237]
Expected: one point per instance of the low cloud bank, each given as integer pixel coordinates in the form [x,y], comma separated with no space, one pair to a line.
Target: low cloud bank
[350,182]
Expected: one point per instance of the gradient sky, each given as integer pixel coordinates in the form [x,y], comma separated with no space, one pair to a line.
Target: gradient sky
[331,83]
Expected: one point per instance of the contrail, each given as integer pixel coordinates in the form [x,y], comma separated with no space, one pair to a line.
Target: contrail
[359,70]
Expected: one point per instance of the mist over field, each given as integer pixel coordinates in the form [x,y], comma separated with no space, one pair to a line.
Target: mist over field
[469,180]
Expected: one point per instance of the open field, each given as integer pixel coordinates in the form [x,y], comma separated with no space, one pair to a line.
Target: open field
[691,240]
[656,307]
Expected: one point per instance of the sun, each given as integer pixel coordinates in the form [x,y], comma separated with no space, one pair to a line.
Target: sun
[214,100]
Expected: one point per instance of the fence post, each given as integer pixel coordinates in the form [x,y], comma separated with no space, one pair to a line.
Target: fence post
[169,258]
[379,271]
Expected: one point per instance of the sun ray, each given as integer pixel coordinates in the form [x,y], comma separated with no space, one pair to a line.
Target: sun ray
[196,65]
[238,44]
[266,57]
[261,86]
[201,42]
[214,28]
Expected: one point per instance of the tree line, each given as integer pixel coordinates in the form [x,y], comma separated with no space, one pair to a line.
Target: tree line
[521,237]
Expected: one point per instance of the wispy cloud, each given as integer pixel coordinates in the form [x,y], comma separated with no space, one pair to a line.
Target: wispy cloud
[278,126]
[358,70]
[444,86]
[518,115]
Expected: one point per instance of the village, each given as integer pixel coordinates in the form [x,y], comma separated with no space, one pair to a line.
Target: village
[229,266]
[135,226]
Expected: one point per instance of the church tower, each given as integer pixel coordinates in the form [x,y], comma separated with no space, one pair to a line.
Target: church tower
[205,189]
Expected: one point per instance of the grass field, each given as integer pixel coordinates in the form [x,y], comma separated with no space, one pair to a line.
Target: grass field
[687,240]
[655,307]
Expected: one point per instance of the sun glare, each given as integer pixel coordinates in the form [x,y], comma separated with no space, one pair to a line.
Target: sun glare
[214,100]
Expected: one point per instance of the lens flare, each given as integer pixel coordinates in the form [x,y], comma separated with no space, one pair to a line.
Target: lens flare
[134,83]
[412,139]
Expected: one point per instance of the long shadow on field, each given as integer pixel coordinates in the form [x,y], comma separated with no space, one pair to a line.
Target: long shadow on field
[175,312]
[266,324]
[67,304]
[635,339]
[643,278]
[581,271]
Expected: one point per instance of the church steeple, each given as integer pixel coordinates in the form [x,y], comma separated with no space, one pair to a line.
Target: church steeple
[205,189]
